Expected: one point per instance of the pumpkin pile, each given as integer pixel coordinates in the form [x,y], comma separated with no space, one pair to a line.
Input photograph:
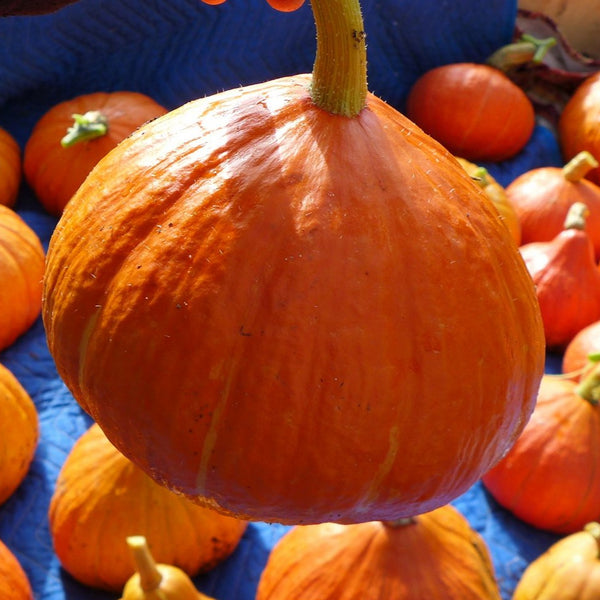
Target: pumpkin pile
[290,303]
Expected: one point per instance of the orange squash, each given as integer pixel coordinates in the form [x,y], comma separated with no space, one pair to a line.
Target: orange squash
[542,197]
[435,556]
[567,279]
[281,301]
[550,477]
[579,123]
[71,137]
[101,498]
[21,271]
[568,570]
[14,583]
[19,433]
[586,343]
[153,581]
[10,168]
[497,194]
[473,109]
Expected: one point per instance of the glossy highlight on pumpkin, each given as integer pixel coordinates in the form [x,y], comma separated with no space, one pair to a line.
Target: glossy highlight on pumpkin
[294,316]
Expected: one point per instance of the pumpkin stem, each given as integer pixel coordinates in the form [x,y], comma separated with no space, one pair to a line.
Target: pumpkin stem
[481,177]
[88,126]
[528,49]
[339,77]
[576,216]
[400,522]
[589,386]
[579,166]
[593,529]
[150,576]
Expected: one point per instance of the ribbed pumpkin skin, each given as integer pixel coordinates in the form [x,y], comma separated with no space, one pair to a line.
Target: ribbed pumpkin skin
[438,557]
[10,168]
[101,498]
[54,172]
[549,478]
[19,432]
[568,570]
[586,342]
[14,584]
[309,317]
[21,271]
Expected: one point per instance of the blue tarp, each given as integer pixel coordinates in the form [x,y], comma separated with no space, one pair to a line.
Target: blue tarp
[174,51]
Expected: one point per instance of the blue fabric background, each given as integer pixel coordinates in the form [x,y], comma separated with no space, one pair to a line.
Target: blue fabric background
[174,51]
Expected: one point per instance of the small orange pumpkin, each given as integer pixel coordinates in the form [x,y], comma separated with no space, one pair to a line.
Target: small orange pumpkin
[577,354]
[542,197]
[21,272]
[550,477]
[279,300]
[435,556]
[497,194]
[10,168]
[19,433]
[473,109]
[567,279]
[579,123]
[101,498]
[153,581]
[71,137]
[14,583]
[568,570]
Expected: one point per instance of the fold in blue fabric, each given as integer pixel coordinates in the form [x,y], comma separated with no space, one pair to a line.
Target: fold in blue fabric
[175,51]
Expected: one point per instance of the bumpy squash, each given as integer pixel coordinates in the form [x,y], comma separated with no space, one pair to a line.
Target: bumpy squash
[101,498]
[435,556]
[288,302]
[19,433]
[14,583]
[21,271]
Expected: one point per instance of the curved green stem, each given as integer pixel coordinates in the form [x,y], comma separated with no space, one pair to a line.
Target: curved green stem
[88,126]
[339,78]
[579,166]
[150,577]
[589,386]
[528,49]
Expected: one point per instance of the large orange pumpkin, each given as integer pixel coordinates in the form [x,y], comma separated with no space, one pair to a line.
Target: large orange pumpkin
[289,303]
[21,270]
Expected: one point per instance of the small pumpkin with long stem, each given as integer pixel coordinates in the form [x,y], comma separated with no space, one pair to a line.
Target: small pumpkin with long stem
[156,581]
[542,197]
[567,279]
[72,136]
[275,300]
[101,497]
[19,433]
[435,556]
[550,478]
[568,570]
[22,261]
[14,583]
[10,168]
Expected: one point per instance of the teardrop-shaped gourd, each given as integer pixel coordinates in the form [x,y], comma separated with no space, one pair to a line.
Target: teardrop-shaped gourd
[497,194]
[435,556]
[550,477]
[281,300]
[582,350]
[568,570]
[19,433]
[73,135]
[567,279]
[10,168]
[542,197]
[153,581]
[21,272]
[14,583]
[101,497]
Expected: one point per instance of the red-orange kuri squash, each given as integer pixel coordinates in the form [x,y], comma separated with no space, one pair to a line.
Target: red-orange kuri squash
[586,344]
[289,303]
[71,137]
[10,168]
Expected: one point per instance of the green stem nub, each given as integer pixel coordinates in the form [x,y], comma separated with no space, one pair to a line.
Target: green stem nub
[88,126]
[527,49]
[339,78]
